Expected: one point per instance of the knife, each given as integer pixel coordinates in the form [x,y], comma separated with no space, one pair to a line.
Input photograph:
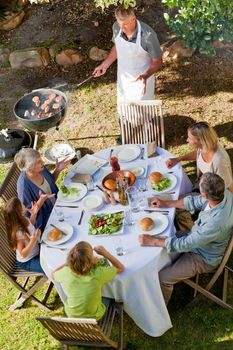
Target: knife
[64,233]
[142,153]
[81,217]
[66,206]
[99,188]
[157,211]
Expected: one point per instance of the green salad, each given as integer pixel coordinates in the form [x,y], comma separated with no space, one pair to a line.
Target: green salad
[103,262]
[105,224]
[68,192]
[162,185]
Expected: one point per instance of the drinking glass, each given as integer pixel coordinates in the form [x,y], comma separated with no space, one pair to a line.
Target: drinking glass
[133,198]
[128,217]
[142,184]
[119,247]
[90,184]
[59,214]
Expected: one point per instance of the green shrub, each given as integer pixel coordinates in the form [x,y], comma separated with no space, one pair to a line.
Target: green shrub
[200,22]
[106,3]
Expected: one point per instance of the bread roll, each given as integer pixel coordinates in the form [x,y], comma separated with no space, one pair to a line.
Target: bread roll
[155,177]
[54,235]
[146,224]
[110,184]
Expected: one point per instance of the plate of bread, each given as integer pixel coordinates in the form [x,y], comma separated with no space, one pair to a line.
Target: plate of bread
[161,183]
[60,234]
[153,223]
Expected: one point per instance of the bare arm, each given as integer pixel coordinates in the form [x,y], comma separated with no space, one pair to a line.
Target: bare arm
[115,262]
[171,162]
[36,206]
[58,268]
[156,63]
[102,68]
[150,241]
[61,166]
[157,203]
[25,250]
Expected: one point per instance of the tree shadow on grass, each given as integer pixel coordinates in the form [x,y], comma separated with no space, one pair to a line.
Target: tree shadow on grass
[197,76]
[225,130]
[176,127]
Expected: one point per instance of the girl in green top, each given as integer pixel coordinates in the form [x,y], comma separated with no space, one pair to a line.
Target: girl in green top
[82,278]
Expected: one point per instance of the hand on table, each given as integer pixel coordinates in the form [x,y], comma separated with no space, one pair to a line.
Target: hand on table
[158,203]
[171,162]
[146,240]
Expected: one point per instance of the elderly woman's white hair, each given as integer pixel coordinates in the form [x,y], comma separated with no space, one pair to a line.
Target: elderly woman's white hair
[26,159]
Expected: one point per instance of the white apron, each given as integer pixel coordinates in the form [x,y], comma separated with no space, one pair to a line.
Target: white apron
[133,60]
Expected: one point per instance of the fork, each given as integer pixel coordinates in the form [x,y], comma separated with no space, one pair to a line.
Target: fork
[81,217]
[62,249]
[142,153]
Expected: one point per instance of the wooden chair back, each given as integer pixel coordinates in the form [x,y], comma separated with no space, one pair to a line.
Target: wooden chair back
[142,122]
[221,269]
[9,268]
[84,331]
[7,255]
[8,188]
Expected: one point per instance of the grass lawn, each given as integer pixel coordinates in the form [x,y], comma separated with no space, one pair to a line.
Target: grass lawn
[92,123]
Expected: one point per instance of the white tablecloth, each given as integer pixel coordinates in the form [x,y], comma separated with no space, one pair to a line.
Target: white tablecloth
[138,286]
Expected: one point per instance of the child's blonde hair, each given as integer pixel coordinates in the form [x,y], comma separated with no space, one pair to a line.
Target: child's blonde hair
[80,259]
[14,220]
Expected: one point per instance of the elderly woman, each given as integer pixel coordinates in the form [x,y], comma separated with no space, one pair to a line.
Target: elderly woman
[36,179]
[209,155]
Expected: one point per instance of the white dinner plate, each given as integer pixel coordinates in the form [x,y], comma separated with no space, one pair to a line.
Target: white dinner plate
[88,164]
[126,153]
[160,221]
[63,226]
[59,152]
[172,184]
[82,191]
[92,202]
[137,171]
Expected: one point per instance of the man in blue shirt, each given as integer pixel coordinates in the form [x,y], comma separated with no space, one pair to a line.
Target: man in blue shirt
[202,248]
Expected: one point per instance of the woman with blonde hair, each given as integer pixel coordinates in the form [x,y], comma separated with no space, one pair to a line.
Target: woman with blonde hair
[209,155]
[82,277]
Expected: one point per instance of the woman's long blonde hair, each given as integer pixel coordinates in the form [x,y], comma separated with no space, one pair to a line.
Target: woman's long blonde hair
[14,220]
[205,134]
[81,259]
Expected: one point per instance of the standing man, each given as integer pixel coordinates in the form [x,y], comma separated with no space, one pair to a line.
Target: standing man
[202,248]
[138,53]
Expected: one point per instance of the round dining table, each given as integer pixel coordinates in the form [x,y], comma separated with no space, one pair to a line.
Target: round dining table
[138,286]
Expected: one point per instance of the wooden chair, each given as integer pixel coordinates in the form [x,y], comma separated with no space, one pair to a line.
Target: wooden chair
[142,122]
[9,186]
[18,277]
[222,269]
[87,332]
